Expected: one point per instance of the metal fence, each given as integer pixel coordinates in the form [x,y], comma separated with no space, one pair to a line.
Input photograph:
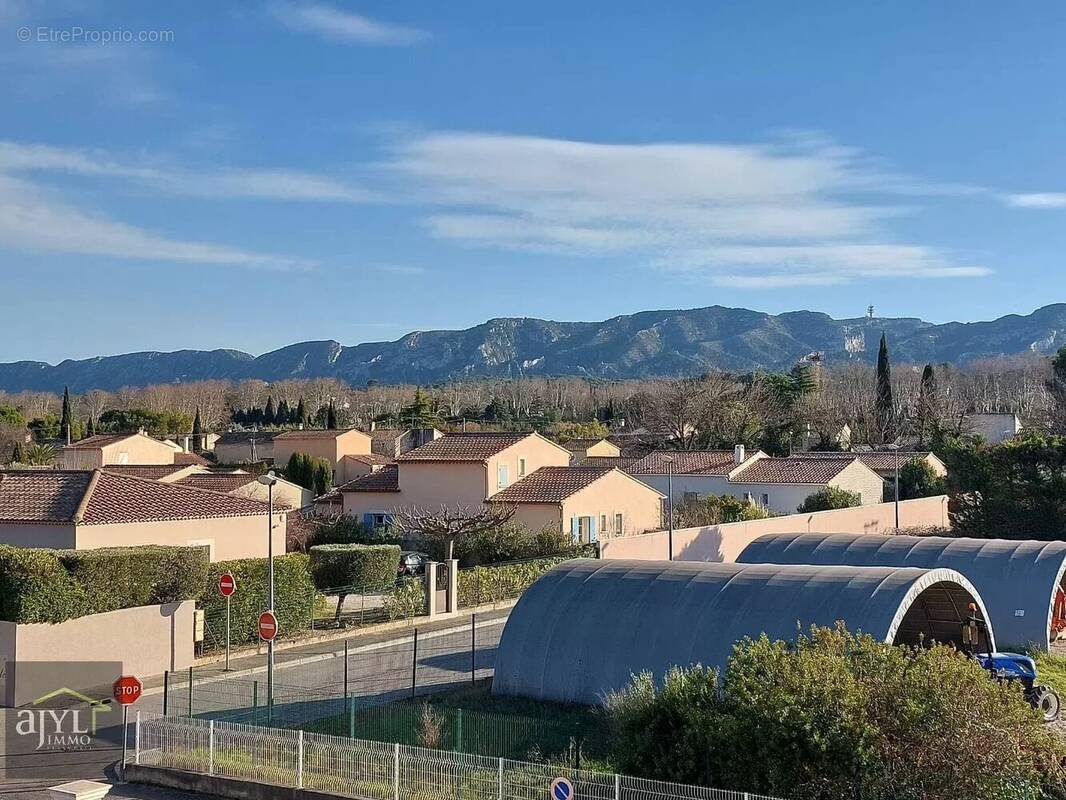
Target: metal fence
[376,770]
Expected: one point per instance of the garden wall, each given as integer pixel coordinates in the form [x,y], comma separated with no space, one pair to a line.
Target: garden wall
[725,542]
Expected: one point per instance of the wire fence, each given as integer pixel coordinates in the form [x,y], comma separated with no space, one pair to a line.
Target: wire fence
[375,770]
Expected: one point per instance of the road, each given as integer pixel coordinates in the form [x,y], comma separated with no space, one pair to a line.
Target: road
[309,684]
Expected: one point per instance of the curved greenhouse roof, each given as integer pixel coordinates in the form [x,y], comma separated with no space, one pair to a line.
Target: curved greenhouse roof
[586,626]
[1016,579]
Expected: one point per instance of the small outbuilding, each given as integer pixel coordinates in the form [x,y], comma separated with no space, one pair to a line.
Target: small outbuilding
[584,628]
[1018,579]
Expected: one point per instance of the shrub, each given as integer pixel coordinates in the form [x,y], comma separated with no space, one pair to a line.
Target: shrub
[364,567]
[490,584]
[406,599]
[294,595]
[716,510]
[126,577]
[34,587]
[917,479]
[839,715]
[510,542]
[829,498]
[349,530]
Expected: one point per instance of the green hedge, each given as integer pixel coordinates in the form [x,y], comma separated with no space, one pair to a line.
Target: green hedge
[505,581]
[294,596]
[43,585]
[359,566]
[126,577]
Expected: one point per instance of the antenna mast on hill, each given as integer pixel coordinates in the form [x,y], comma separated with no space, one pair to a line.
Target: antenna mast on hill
[869,312]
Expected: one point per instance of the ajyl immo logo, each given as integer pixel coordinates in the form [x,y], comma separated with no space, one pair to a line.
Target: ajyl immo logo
[70,728]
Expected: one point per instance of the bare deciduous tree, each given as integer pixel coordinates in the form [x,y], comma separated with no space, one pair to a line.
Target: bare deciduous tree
[448,524]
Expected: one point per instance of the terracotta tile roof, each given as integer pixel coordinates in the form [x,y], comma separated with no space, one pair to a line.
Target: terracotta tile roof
[582,444]
[315,434]
[99,440]
[242,437]
[99,497]
[621,462]
[550,484]
[685,462]
[387,433]
[370,459]
[464,447]
[224,482]
[877,460]
[152,471]
[386,479]
[792,470]
[185,459]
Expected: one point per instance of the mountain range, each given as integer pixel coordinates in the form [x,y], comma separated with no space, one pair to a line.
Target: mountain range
[645,344]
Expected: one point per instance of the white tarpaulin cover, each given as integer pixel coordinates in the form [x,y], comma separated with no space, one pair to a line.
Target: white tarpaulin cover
[584,628]
[1017,579]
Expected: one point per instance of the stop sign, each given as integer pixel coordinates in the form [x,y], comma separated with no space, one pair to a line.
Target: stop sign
[268,626]
[126,690]
[227,584]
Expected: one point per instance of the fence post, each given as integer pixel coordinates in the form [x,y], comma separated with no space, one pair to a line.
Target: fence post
[255,702]
[350,702]
[473,648]
[414,664]
[346,671]
[190,690]
[137,739]
[499,790]
[617,786]
[459,730]
[211,747]
[396,772]
[300,760]
[166,690]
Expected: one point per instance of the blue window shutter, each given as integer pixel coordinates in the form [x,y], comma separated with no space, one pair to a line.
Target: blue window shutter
[368,521]
[592,528]
[575,531]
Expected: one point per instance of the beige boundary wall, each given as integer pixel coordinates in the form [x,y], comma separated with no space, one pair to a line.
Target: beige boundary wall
[148,640]
[725,542]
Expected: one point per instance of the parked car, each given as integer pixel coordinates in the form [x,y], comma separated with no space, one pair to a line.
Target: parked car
[412,563]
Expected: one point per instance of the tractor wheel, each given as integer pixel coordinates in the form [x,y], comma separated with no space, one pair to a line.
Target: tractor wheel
[1044,700]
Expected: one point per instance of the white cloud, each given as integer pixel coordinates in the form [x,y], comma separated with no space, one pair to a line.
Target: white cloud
[344,27]
[804,212]
[263,184]
[32,219]
[1037,200]
[400,269]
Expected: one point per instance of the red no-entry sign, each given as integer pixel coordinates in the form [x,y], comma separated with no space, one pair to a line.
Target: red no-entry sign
[227,584]
[126,690]
[268,626]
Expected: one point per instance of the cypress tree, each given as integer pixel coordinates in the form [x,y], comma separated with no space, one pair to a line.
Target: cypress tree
[928,404]
[884,407]
[301,412]
[197,433]
[331,416]
[284,416]
[270,414]
[16,453]
[66,424]
[90,427]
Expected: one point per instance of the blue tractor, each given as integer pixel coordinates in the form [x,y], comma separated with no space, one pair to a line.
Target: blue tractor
[1010,667]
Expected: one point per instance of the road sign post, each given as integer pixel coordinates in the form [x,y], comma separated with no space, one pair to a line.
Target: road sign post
[227,585]
[268,631]
[126,690]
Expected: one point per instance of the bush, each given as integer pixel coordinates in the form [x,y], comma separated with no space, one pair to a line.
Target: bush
[829,498]
[839,715]
[917,479]
[406,599]
[126,577]
[490,584]
[366,566]
[716,510]
[510,542]
[294,595]
[349,530]
[41,585]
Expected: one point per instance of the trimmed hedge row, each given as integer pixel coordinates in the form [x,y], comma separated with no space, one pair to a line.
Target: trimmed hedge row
[358,566]
[43,585]
[294,597]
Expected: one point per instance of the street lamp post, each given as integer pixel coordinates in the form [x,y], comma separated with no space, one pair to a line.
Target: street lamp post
[268,480]
[670,507]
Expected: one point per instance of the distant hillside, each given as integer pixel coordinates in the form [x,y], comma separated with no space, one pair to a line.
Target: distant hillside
[649,343]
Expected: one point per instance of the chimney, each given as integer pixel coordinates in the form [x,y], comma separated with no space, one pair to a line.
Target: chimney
[738,454]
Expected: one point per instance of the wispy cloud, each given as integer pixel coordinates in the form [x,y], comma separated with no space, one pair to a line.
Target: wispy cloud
[342,27]
[400,269]
[1037,200]
[263,184]
[801,212]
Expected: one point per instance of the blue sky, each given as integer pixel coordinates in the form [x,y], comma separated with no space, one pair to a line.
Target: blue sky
[281,171]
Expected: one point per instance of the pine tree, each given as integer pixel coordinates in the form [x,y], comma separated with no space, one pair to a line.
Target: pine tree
[884,407]
[331,416]
[16,454]
[420,413]
[197,433]
[66,424]
[301,413]
[284,416]
[270,413]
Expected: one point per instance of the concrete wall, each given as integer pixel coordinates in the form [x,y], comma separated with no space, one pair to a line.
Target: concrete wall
[724,542]
[147,640]
[358,503]
[616,493]
[241,452]
[59,537]
[136,449]
[228,537]
[430,485]
[286,493]
[537,516]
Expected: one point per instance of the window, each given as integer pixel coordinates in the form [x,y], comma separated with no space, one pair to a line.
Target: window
[618,528]
[501,476]
[208,545]
[521,468]
[603,524]
[765,500]
[581,529]
[123,458]
[690,497]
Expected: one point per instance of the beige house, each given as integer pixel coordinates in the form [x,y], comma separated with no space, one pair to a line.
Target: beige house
[185,441]
[351,467]
[582,449]
[287,495]
[332,445]
[590,502]
[393,442]
[87,509]
[458,469]
[782,484]
[115,448]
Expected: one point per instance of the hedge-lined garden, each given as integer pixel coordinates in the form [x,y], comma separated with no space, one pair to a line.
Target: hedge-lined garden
[43,585]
